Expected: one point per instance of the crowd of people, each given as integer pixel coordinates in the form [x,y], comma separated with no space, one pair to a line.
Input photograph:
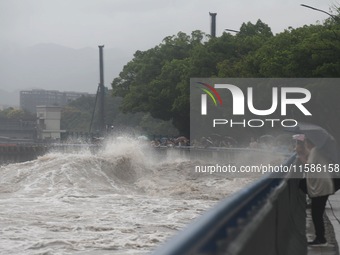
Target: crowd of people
[203,142]
[265,142]
[170,142]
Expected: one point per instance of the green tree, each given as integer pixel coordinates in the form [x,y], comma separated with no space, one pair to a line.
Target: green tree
[152,81]
[13,113]
[157,80]
[77,115]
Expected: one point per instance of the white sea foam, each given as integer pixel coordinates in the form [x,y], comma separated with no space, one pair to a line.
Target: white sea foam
[124,199]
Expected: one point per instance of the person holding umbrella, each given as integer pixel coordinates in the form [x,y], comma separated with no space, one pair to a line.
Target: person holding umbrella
[319,186]
[321,149]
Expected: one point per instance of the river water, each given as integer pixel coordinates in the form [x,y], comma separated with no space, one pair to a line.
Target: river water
[125,199]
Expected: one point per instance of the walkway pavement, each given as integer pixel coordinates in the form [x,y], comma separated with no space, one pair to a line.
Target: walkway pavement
[332,226]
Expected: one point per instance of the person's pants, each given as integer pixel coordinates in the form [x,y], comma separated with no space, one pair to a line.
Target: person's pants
[318,209]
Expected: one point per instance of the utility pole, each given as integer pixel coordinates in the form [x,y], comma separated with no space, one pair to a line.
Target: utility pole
[101,90]
[213,24]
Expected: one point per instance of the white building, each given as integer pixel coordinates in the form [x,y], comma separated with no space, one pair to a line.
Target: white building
[48,122]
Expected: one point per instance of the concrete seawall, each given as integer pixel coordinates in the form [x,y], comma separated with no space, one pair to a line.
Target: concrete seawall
[14,153]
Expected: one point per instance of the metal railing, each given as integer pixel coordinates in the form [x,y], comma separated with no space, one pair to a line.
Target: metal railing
[267,217]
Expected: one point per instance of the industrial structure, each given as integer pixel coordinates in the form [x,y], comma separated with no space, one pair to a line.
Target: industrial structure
[30,99]
[213,24]
[48,122]
[100,96]
[18,130]
[22,140]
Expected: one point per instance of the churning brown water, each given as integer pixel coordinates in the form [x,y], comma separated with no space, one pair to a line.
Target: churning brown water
[125,199]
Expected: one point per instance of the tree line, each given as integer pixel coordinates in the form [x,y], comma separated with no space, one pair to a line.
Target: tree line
[14,113]
[77,117]
[158,80]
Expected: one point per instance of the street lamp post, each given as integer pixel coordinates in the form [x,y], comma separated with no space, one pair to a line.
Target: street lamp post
[231,30]
[336,18]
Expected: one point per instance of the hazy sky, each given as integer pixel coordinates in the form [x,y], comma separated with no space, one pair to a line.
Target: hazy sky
[123,26]
[137,24]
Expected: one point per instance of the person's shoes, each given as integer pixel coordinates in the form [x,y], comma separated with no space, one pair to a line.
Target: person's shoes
[318,242]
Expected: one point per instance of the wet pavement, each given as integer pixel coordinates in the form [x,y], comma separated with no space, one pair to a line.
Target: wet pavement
[332,227]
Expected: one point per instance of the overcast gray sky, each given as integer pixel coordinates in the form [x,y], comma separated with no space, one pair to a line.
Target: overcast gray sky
[130,25]
[139,24]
